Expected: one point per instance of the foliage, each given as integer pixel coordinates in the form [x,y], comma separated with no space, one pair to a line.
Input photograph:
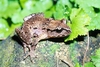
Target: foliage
[79,21]
[63,9]
[96,58]
[3,27]
[12,13]
[84,16]
[92,8]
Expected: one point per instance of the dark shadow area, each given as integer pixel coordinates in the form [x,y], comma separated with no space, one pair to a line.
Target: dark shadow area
[20,4]
[94,33]
[80,38]
[58,40]
[97,10]
[9,21]
[91,33]
[74,4]
[17,39]
[55,1]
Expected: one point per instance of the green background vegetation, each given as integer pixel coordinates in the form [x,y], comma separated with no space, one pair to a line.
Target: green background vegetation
[83,16]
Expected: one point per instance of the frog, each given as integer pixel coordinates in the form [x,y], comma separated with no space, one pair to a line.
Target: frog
[36,28]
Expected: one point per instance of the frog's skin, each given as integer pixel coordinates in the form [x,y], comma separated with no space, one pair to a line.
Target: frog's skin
[36,27]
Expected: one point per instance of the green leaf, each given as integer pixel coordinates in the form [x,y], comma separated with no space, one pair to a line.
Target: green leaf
[98,52]
[88,6]
[36,6]
[19,15]
[50,12]
[96,58]
[89,64]
[63,9]
[4,28]
[95,22]
[3,5]
[79,21]
[30,7]
[43,5]
[12,7]
[13,26]
[86,3]
[77,65]
[28,4]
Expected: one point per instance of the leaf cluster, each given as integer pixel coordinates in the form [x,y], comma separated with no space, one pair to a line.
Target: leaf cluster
[84,16]
[12,13]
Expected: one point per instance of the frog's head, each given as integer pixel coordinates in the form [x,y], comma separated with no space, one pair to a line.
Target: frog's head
[23,36]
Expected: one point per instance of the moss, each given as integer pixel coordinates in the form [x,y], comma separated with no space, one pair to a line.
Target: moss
[53,48]
[43,64]
[6,53]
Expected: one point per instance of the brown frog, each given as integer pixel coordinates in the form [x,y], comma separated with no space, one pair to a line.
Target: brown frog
[36,27]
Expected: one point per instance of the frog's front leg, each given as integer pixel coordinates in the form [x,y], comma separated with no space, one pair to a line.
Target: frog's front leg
[25,47]
[31,52]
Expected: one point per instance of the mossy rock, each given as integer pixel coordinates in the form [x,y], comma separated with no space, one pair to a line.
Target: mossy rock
[49,53]
[11,54]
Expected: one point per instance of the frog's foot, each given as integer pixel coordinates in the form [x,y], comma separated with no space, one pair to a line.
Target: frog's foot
[31,54]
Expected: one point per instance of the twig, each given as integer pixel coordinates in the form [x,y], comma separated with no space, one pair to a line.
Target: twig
[57,62]
[84,59]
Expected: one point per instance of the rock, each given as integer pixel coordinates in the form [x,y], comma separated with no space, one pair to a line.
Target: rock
[50,53]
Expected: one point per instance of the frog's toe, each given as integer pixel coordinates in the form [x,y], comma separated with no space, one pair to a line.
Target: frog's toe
[31,54]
